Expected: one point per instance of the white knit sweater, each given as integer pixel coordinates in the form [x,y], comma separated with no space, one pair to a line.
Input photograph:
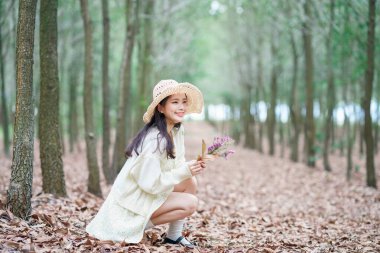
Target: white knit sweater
[142,186]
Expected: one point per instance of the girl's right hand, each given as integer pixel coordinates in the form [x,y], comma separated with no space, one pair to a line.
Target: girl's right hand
[197,167]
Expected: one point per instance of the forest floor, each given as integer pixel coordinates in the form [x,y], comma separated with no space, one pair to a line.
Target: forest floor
[250,203]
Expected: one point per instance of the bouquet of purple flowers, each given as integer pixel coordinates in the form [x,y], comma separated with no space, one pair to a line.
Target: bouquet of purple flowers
[219,148]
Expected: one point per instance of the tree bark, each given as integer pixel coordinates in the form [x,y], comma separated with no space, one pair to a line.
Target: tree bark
[73,106]
[4,108]
[272,108]
[93,179]
[293,104]
[330,90]
[106,94]
[118,158]
[309,77]
[146,54]
[260,94]
[20,188]
[370,164]
[249,141]
[53,179]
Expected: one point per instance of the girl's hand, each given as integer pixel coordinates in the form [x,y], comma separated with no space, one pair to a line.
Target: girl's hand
[197,167]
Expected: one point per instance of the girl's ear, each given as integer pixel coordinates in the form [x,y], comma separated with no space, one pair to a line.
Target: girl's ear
[159,108]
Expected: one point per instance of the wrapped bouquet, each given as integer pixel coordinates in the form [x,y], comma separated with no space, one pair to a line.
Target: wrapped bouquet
[219,148]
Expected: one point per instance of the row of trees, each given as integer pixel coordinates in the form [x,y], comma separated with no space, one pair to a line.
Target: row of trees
[138,22]
[306,54]
[268,49]
[79,48]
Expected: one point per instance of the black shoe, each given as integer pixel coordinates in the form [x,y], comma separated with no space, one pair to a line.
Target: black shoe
[178,241]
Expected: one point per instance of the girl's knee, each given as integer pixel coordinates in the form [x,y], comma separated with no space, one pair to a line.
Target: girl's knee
[193,185]
[191,204]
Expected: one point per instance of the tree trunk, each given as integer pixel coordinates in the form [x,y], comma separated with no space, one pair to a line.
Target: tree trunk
[249,141]
[125,94]
[106,94]
[370,165]
[20,187]
[146,56]
[347,83]
[281,130]
[259,95]
[330,91]
[53,179]
[293,104]
[272,108]
[4,108]
[93,179]
[376,138]
[351,136]
[73,114]
[309,69]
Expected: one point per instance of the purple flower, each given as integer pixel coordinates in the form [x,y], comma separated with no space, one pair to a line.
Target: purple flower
[220,147]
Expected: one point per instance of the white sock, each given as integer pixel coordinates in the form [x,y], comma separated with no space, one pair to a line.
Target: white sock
[149,225]
[175,230]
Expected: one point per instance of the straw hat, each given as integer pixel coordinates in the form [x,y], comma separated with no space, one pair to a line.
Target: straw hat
[166,88]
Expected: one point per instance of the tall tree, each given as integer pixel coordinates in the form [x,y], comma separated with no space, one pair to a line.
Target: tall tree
[330,89]
[20,187]
[106,94]
[53,179]
[73,113]
[293,103]
[368,135]
[146,56]
[260,91]
[309,78]
[273,98]
[4,108]
[93,179]
[125,89]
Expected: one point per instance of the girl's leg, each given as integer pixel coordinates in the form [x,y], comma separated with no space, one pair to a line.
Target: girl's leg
[189,186]
[178,206]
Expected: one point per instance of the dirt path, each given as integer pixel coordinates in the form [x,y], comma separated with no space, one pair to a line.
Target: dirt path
[257,201]
[249,203]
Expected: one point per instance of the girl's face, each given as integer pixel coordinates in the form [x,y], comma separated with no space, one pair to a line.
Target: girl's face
[174,109]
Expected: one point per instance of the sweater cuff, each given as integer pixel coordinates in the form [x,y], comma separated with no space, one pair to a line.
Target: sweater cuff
[183,172]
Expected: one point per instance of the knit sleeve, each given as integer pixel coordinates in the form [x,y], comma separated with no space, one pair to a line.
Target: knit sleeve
[147,171]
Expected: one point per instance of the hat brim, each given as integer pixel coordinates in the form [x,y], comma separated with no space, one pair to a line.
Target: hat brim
[193,94]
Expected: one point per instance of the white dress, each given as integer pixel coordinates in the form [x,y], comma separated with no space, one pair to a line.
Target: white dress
[142,186]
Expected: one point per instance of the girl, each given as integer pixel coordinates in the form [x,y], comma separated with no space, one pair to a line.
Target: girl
[156,185]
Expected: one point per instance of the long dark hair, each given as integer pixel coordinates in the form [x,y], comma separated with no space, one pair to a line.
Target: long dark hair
[158,120]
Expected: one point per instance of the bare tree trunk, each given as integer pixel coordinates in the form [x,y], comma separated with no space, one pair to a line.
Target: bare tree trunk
[118,159]
[309,77]
[106,94]
[293,103]
[361,134]
[20,187]
[330,90]
[73,105]
[146,53]
[370,164]
[259,95]
[93,179]
[4,108]
[249,141]
[347,85]
[351,136]
[272,108]
[53,179]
